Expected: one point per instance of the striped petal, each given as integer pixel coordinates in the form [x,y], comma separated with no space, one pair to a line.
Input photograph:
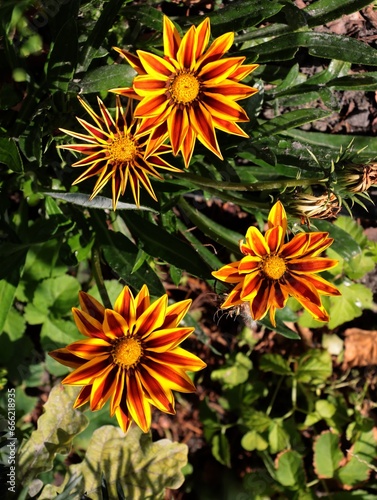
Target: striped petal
[86,373]
[87,325]
[228,273]
[278,217]
[91,306]
[114,325]
[89,348]
[175,379]
[175,313]
[83,397]
[224,108]
[201,121]
[137,404]
[181,358]
[187,49]
[203,32]
[66,358]
[256,242]
[217,49]
[311,264]
[103,387]
[161,397]
[163,340]
[152,318]
[155,65]
[178,124]
[274,238]
[171,38]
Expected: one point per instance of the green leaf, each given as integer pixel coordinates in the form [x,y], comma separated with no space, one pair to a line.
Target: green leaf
[327,45]
[314,367]
[288,120]
[252,440]
[327,454]
[41,261]
[100,202]
[8,288]
[359,467]
[107,77]
[143,468]
[147,16]
[58,425]
[55,296]
[99,32]
[63,57]
[275,363]
[157,242]
[14,324]
[234,372]
[350,304]
[323,11]
[9,155]
[344,244]
[120,253]
[290,470]
[221,449]
[278,438]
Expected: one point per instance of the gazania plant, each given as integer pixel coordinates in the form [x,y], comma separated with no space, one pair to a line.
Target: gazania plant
[274,269]
[131,356]
[191,91]
[115,151]
[187,235]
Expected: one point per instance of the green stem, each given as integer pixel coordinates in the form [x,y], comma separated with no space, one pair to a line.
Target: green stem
[274,395]
[97,273]
[255,186]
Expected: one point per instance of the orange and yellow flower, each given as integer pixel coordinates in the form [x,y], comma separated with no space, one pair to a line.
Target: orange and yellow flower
[191,91]
[131,355]
[272,270]
[114,149]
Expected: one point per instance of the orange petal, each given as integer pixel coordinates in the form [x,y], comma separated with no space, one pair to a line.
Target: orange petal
[146,86]
[201,121]
[66,358]
[218,71]
[103,387]
[89,348]
[256,242]
[172,40]
[301,289]
[114,325]
[217,49]
[229,127]
[123,415]
[234,297]
[142,301]
[91,306]
[83,397]
[162,397]
[278,217]
[181,358]
[119,391]
[224,108]
[275,238]
[261,303]
[250,286]
[87,325]
[137,403]
[175,312]
[152,106]
[86,373]
[322,286]
[242,71]
[155,65]
[178,124]
[132,60]
[175,379]
[297,246]
[311,264]
[162,340]
[188,145]
[187,49]
[125,306]
[231,90]
[152,318]
[248,264]
[228,273]
[203,32]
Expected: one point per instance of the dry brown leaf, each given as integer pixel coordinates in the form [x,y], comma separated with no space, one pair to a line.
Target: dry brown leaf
[360,348]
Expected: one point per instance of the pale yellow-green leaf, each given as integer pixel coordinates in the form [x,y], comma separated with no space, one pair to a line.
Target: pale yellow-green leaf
[58,425]
[143,468]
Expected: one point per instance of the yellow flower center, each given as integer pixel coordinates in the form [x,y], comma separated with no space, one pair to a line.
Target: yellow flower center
[127,352]
[185,88]
[122,149]
[274,267]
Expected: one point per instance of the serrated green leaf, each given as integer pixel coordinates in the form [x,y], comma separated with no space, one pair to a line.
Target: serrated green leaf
[355,297]
[107,77]
[314,367]
[143,468]
[275,363]
[9,155]
[327,454]
[290,470]
[56,428]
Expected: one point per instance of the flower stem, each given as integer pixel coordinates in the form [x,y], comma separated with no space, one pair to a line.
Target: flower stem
[97,273]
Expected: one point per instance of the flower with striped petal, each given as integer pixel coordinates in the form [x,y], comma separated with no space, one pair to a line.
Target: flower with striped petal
[191,91]
[130,356]
[114,149]
[272,270]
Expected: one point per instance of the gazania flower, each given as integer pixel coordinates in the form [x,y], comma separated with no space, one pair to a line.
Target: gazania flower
[272,270]
[191,91]
[131,355]
[114,149]
[322,206]
[357,178]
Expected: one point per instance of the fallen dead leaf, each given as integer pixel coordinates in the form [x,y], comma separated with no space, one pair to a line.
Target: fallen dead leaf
[360,348]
